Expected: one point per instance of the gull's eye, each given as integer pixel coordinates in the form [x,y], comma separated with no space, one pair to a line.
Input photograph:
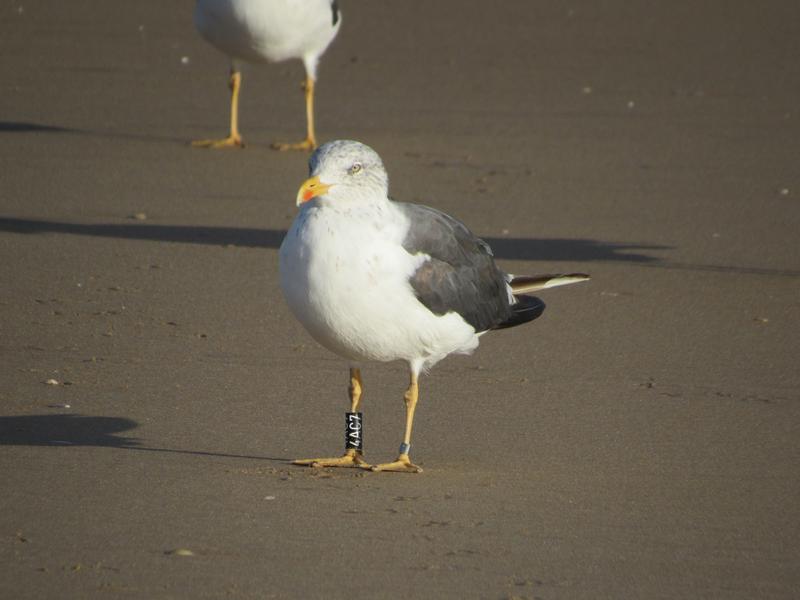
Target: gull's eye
[355,168]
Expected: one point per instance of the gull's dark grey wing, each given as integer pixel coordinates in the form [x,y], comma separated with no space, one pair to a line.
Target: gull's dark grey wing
[461,275]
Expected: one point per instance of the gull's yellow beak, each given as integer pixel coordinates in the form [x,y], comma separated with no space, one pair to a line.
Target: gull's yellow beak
[311,188]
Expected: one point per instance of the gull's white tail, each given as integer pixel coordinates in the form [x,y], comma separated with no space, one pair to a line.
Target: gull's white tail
[526,285]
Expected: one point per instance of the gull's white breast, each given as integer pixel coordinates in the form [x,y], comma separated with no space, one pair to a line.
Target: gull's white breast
[345,276]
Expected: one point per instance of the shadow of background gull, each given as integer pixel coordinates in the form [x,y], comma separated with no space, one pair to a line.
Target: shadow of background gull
[24,127]
[529,249]
[11,127]
[503,248]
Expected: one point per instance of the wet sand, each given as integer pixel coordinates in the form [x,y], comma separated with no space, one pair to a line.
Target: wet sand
[640,440]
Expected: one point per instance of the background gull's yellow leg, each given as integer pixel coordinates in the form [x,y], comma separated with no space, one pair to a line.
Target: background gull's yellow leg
[234,139]
[310,143]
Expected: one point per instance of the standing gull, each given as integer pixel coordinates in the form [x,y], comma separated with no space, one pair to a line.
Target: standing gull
[376,280]
[261,31]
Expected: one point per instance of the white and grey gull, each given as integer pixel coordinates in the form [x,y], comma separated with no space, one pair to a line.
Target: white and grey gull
[261,31]
[372,279]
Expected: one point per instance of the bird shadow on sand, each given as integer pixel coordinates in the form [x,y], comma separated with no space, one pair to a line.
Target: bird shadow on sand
[578,250]
[11,127]
[24,127]
[60,430]
[505,248]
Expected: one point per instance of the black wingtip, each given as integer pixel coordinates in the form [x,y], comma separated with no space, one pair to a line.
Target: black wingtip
[527,308]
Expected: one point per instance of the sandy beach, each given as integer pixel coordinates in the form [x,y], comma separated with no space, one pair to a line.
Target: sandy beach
[640,440]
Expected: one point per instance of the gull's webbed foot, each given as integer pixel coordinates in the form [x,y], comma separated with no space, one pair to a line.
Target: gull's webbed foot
[232,141]
[306,145]
[402,465]
[351,458]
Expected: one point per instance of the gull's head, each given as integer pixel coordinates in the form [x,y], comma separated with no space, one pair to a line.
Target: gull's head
[344,170]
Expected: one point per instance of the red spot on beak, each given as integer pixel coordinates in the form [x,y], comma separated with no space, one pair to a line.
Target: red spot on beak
[311,188]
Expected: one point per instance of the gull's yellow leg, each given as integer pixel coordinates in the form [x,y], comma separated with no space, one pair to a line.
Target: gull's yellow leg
[352,457]
[403,464]
[310,143]
[234,139]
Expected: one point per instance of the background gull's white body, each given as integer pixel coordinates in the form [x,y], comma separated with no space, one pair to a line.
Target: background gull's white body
[268,30]
[260,31]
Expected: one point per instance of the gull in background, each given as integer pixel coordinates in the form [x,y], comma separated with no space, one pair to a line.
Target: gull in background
[260,31]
